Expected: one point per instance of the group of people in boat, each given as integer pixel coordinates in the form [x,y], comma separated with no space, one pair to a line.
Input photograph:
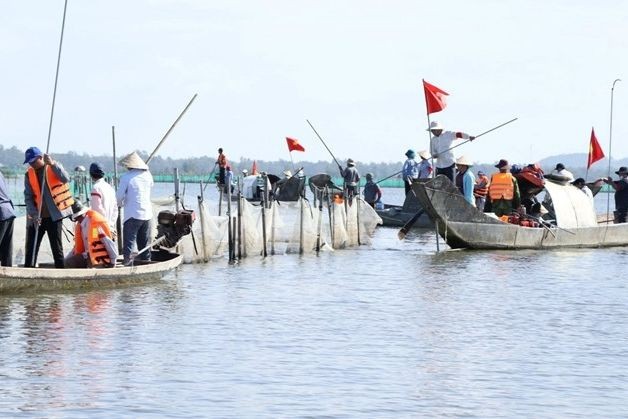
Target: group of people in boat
[500,193]
[49,201]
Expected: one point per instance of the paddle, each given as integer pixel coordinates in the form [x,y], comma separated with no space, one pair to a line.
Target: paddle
[407,226]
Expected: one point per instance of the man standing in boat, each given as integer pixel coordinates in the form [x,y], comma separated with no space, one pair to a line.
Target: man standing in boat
[103,197]
[372,191]
[134,195]
[93,243]
[7,215]
[440,147]
[465,180]
[351,178]
[621,194]
[410,170]
[48,201]
[480,190]
[503,192]
[221,162]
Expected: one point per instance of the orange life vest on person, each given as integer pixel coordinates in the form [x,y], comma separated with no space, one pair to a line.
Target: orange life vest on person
[501,187]
[222,161]
[97,252]
[59,190]
[481,192]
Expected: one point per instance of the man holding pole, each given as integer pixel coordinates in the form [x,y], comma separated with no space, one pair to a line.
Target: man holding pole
[440,148]
[48,201]
[351,178]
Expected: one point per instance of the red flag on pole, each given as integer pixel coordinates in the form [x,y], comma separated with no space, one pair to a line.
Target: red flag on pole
[595,151]
[294,145]
[254,168]
[434,98]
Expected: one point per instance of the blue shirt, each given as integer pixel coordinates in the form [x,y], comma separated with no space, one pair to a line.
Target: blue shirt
[6,205]
[134,194]
[410,170]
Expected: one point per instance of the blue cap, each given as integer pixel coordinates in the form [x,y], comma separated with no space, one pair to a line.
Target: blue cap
[95,170]
[31,154]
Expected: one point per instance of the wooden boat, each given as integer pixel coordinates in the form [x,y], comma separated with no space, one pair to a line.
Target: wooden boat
[398,216]
[47,278]
[464,226]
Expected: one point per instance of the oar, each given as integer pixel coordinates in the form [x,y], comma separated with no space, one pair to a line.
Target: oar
[407,226]
[388,177]
[479,135]
[210,177]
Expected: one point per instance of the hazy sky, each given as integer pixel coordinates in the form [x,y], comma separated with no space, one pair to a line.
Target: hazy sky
[353,68]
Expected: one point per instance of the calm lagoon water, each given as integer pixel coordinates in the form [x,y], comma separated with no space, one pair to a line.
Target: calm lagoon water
[388,330]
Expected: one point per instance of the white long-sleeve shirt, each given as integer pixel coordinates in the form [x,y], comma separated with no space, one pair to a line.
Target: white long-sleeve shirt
[439,147]
[103,200]
[134,194]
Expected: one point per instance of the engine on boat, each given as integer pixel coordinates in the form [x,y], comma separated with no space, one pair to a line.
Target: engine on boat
[173,226]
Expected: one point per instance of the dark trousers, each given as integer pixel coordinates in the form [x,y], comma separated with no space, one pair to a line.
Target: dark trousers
[221,175]
[6,242]
[136,231]
[54,230]
[447,171]
[408,186]
[620,216]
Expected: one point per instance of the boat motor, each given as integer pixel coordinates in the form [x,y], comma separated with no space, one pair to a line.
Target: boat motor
[171,226]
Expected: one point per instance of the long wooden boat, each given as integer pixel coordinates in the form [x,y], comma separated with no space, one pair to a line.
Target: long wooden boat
[463,226]
[47,278]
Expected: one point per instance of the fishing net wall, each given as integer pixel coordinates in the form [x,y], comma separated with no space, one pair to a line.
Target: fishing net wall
[284,228]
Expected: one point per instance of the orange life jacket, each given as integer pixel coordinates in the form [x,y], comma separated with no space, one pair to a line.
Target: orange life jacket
[59,190]
[501,187]
[480,192]
[97,252]
[222,160]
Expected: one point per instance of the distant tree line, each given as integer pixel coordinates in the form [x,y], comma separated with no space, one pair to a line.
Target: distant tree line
[11,163]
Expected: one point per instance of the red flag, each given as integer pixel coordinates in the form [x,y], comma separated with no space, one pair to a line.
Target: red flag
[254,168]
[434,98]
[294,145]
[595,151]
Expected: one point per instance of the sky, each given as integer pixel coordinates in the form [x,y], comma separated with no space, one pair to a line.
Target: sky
[352,68]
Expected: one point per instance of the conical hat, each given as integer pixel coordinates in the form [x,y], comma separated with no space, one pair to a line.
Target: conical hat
[462,160]
[133,161]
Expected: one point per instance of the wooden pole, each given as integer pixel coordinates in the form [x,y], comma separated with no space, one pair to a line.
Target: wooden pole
[52,112]
[322,141]
[170,129]
[116,182]
[201,215]
[610,143]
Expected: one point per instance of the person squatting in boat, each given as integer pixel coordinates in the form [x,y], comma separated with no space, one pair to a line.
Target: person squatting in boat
[93,242]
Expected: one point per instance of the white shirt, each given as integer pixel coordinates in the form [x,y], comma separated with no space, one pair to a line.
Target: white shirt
[103,200]
[439,146]
[134,194]
[587,192]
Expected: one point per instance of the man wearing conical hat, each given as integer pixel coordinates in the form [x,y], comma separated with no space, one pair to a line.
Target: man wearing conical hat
[621,194]
[133,196]
[440,145]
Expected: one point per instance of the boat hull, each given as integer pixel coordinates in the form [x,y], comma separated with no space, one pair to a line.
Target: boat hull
[463,226]
[20,279]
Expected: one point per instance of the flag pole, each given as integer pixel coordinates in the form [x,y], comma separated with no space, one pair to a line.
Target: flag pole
[291,161]
[429,143]
[610,142]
